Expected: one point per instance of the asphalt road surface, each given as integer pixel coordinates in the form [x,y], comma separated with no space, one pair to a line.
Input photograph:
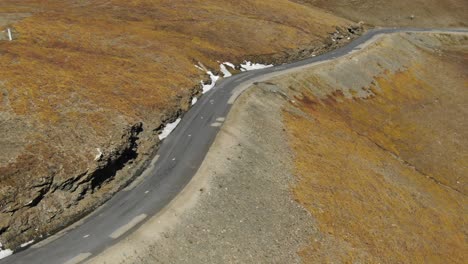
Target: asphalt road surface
[176,162]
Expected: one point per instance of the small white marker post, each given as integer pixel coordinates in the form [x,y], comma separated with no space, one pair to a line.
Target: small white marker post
[9,34]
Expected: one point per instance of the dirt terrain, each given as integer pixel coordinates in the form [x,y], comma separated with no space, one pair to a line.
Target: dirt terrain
[85,86]
[372,145]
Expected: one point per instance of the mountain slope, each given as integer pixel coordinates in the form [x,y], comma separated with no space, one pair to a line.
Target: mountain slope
[85,87]
[415,13]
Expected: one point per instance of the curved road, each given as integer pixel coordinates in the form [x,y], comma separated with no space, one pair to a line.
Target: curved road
[176,162]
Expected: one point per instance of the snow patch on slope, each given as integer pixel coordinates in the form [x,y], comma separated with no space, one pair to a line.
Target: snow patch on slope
[98,155]
[229,65]
[5,252]
[214,79]
[168,129]
[225,71]
[246,66]
[198,67]
[250,66]
[27,244]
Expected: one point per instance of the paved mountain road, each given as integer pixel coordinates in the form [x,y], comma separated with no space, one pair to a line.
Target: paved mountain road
[177,161]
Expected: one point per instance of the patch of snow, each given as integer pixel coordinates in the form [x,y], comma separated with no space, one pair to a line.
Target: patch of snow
[99,155]
[200,68]
[214,79]
[9,34]
[27,244]
[194,100]
[225,71]
[168,129]
[229,65]
[4,252]
[249,66]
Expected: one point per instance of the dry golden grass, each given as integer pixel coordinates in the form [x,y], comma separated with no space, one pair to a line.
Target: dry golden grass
[385,177]
[87,62]
[136,57]
[415,13]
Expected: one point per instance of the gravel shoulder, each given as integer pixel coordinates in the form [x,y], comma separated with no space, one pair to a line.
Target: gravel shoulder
[238,208]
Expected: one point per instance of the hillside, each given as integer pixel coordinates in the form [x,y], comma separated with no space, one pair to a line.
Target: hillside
[382,167]
[361,159]
[414,13]
[86,86]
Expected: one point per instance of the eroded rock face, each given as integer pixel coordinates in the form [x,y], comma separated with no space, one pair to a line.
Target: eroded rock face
[52,192]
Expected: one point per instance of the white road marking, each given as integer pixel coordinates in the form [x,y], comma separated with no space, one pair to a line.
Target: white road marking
[216,124]
[79,258]
[220,119]
[122,230]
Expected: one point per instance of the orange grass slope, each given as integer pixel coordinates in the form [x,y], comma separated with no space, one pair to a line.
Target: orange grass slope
[382,167]
[413,13]
[137,56]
